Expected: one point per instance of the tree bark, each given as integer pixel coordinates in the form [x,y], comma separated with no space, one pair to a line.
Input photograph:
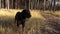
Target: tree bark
[44,4]
[0,3]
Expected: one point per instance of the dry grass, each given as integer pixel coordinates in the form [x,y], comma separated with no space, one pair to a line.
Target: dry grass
[7,21]
[56,13]
[32,26]
[12,12]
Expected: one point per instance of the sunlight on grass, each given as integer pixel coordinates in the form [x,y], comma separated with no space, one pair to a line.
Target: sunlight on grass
[57,13]
[7,16]
[12,12]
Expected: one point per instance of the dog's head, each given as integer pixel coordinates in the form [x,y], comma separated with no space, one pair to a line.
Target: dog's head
[26,13]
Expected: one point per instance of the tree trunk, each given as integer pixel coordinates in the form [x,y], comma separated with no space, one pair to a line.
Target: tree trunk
[54,5]
[44,4]
[0,3]
[8,4]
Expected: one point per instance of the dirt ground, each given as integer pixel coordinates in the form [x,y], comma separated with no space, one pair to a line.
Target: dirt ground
[41,22]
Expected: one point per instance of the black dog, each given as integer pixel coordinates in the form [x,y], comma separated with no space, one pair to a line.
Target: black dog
[20,17]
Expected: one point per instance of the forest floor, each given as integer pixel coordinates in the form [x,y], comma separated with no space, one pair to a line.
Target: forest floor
[39,22]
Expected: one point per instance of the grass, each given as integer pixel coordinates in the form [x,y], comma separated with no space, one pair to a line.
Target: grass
[32,26]
[56,13]
[7,20]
